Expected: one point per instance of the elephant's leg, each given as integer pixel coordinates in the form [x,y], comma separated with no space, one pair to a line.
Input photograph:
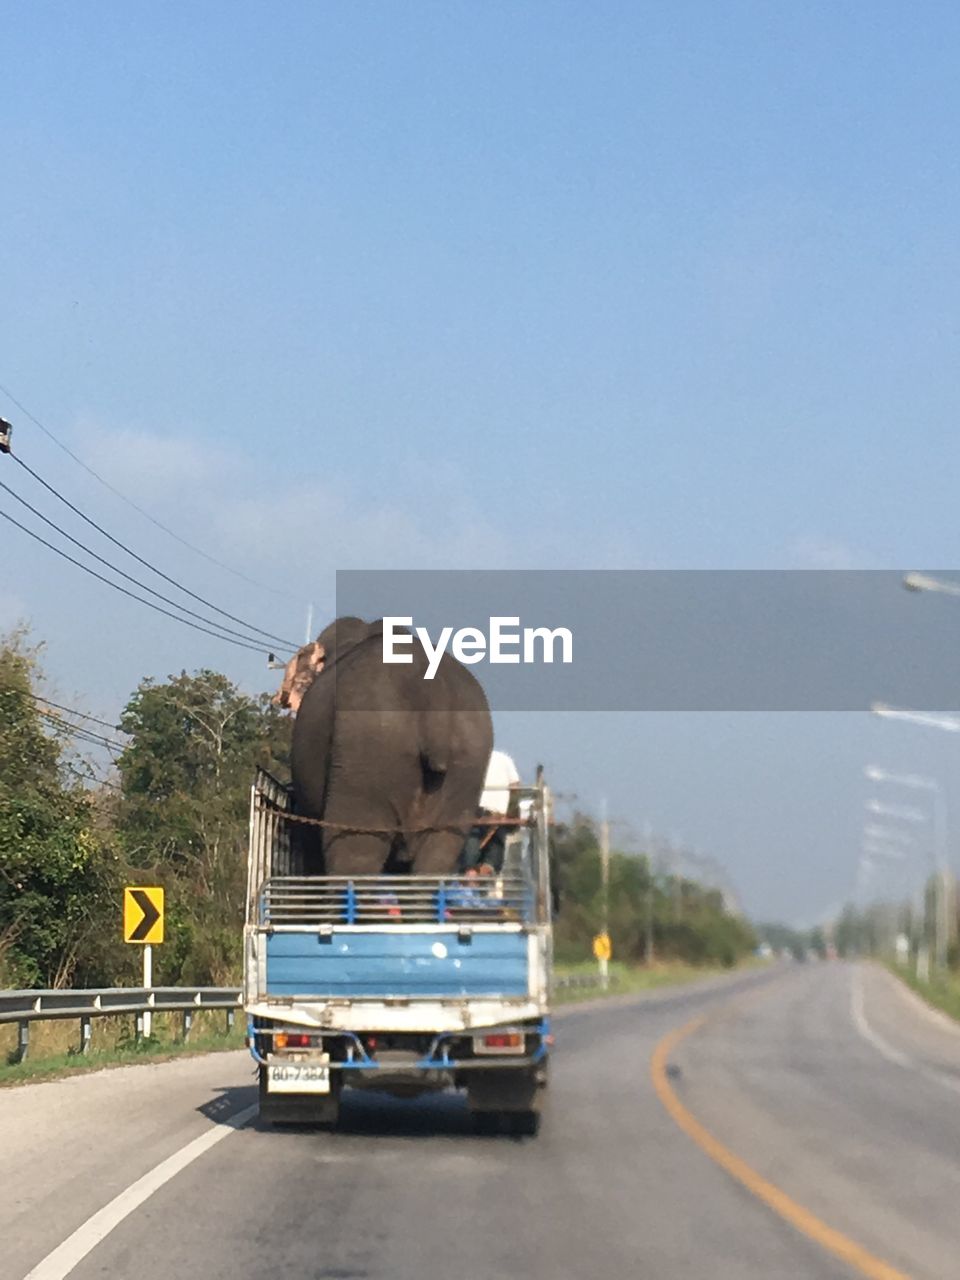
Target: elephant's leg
[306,847]
[398,861]
[445,817]
[356,853]
[437,853]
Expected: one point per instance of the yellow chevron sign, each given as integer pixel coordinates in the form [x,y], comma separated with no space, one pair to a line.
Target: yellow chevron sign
[143,914]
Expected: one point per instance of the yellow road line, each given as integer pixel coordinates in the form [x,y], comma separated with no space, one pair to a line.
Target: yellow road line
[835,1242]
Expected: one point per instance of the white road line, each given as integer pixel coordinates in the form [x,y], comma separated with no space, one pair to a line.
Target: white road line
[867,1033]
[883,1047]
[88,1235]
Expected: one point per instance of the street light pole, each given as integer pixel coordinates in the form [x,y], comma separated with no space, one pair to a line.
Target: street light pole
[926,582]
[919,782]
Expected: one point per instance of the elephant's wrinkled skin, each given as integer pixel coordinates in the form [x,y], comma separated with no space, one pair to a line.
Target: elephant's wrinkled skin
[382,752]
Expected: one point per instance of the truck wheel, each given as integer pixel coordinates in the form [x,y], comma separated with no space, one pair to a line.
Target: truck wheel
[524,1124]
[510,1097]
[486,1123]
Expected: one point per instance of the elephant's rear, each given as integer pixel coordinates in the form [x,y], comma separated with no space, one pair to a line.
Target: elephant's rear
[461,720]
[391,764]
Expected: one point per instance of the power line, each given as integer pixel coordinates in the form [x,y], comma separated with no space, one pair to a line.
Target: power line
[146,563]
[105,782]
[93,776]
[71,711]
[276,591]
[255,648]
[81,715]
[84,735]
[79,728]
[123,574]
[81,732]
[74,712]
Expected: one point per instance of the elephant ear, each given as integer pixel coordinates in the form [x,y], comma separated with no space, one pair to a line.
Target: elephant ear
[299,674]
[282,697]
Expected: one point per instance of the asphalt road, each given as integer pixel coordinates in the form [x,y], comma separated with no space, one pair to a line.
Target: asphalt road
[826,1083]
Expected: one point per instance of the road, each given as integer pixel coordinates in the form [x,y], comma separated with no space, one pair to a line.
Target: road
[830,1092]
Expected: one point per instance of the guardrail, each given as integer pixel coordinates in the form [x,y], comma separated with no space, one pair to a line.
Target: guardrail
[582,981]
[24,1007]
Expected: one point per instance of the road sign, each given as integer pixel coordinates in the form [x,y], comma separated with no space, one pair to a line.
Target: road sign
[143,915]
[601,947]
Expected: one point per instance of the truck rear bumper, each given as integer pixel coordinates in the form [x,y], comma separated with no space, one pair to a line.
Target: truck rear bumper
[423,1015]
[374,1056]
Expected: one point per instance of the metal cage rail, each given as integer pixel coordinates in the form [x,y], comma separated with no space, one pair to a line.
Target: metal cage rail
[394,900]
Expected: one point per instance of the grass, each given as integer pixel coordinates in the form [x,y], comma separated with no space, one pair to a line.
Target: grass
[54,1045]
[627,979]
[942,991]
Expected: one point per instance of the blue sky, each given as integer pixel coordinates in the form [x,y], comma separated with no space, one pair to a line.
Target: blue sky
[460,285]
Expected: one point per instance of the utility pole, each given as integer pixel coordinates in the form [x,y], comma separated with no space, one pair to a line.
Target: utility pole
[309,635]
[943,895]
[605,890]
[648,899]
[148,983]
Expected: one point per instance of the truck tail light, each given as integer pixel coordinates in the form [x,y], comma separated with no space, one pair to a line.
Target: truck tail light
[499,1042]
[291,1040]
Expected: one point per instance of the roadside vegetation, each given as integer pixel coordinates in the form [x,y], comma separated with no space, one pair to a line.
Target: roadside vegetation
[901,937]
[654,916]
[941,990]
[170,810]
[55,1052]
[628,979]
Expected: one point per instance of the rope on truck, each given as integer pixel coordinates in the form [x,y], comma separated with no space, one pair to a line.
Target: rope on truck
[461,828]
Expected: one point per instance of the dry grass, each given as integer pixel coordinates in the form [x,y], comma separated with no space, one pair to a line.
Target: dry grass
[625,979]
[942,990]
[55,1045]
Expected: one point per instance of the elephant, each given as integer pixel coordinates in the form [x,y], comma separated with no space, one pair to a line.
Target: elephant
[299,674]
[394,763]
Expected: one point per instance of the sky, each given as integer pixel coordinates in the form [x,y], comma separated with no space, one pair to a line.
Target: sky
[448,285]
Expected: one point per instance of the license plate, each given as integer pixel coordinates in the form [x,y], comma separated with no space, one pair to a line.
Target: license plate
[298,1077]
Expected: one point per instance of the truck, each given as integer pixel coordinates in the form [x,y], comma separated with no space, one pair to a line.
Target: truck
[402,983]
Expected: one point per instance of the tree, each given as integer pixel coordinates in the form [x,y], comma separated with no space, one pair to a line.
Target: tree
[57,873]
[182,817]
[690,921]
